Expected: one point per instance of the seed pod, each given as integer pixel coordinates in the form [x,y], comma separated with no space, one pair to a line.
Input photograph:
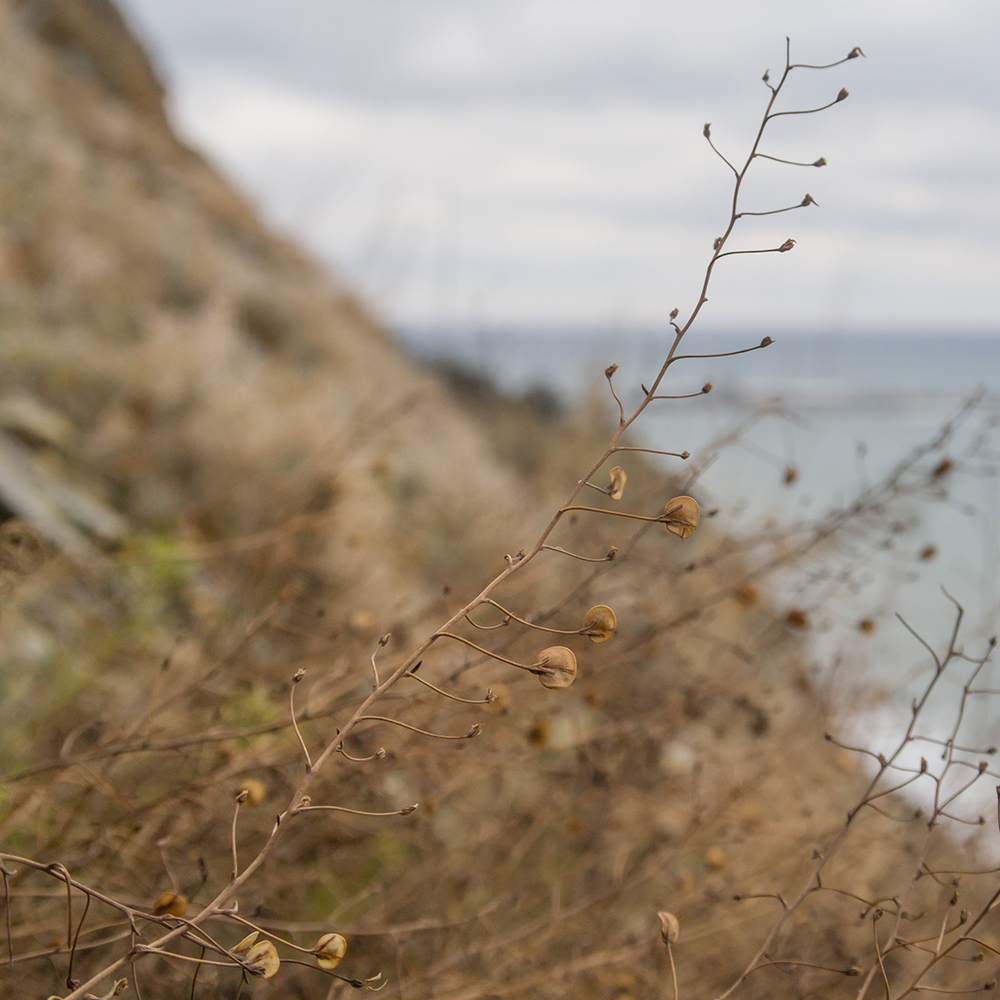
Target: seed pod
[256,791]
[600,623]
[170,904]
[797,618]
[246,943]
[715,859]
[681,516]
[262,960]
[329,950]
[616,487]
[670,927]
[558,667]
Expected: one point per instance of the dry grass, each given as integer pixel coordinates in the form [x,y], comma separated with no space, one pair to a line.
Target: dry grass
[297,489]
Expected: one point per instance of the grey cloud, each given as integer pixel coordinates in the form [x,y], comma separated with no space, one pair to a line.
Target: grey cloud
[453,49]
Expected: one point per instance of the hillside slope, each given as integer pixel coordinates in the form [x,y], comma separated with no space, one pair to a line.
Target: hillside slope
[240,476]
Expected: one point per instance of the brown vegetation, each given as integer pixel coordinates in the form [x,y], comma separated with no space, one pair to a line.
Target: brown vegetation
[290,490]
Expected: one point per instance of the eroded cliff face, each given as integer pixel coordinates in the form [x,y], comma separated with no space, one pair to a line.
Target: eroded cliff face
[272,485]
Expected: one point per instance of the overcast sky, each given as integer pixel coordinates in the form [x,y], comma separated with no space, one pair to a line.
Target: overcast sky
[496,162]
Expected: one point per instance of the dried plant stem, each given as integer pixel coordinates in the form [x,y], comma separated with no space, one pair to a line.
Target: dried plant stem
[453,697]
[673,969]
[240,799]
[573,555]
[522,621]
[295,725]
[512,566]
[404,811]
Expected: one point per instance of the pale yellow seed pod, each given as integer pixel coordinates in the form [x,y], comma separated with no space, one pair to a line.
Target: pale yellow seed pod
[256,791]
[616,487]
[170,904]
[329,951]
[670,927]
[262,960]
[558,667]
[246,943]
[715,859]
[681,516]
[600,624]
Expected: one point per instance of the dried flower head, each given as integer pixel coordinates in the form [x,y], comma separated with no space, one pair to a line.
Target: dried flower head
[558,667]
[600,624]
[262,960]
[616,486]
[329,951]
[670,927]
[170,904]
[681,516]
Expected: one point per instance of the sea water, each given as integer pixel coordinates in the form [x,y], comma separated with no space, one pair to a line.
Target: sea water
[845,410]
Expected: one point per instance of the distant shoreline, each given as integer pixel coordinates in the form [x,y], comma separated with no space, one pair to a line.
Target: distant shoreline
[888,372]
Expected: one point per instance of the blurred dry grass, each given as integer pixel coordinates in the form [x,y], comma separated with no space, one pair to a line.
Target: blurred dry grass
[296,488]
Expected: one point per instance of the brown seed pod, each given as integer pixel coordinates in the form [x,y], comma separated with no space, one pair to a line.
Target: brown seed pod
[797,618]
[170,904]
[262,960]
[670,927]
[616,487]
[681,516]
[329,950]
[558,667]
[600,624]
